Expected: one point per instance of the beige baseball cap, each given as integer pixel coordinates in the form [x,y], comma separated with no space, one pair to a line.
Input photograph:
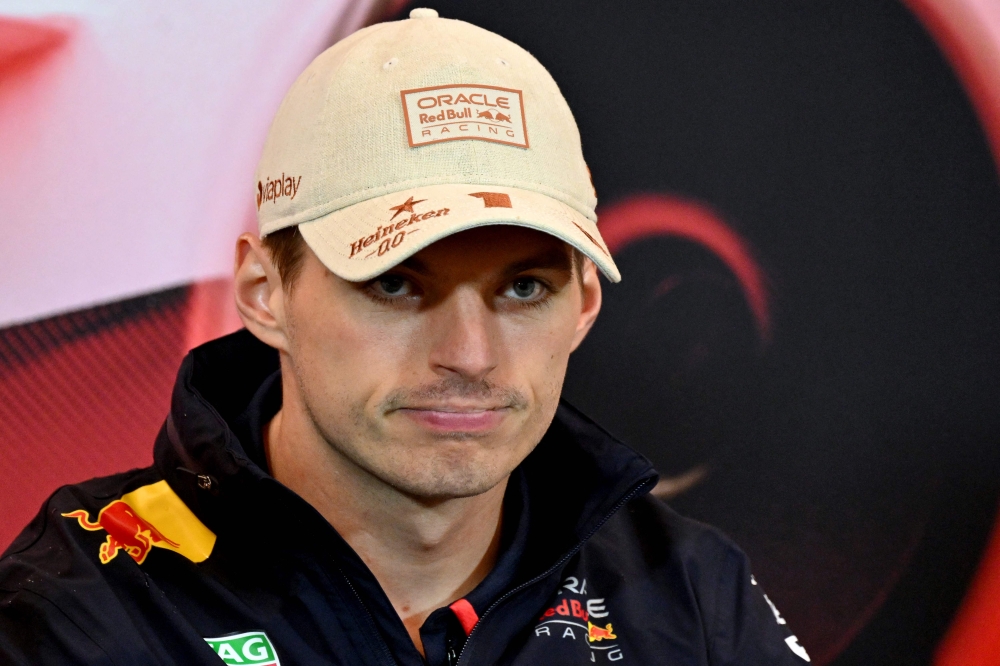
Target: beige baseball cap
[409,131]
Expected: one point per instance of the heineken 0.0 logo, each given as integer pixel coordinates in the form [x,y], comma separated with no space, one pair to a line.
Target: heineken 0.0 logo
[250,649]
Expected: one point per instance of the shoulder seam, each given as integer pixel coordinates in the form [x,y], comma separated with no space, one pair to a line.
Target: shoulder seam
[41,531]
[726,557]
[65,615]
[46,507]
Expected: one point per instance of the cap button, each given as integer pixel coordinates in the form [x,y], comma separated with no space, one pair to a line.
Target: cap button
[423,12]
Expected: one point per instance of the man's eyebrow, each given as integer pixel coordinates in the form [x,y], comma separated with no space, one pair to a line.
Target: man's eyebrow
[416,266]
[557,258]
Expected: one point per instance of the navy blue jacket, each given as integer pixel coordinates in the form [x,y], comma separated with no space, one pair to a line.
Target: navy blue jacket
[205,558]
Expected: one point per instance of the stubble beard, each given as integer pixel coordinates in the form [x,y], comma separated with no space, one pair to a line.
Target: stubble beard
[449,466]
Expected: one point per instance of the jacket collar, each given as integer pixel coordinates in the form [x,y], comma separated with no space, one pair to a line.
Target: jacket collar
[576,476]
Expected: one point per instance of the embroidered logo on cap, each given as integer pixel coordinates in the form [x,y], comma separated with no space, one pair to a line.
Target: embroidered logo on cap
[493,199]
[453,113]
[392,234]
[405,207]
[286,186]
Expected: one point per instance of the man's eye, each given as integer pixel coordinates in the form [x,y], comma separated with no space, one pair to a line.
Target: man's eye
[524,288]
[393,285]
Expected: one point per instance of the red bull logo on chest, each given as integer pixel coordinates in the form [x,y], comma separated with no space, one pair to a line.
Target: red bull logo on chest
[595,633]
[148,516]
[126,531]
[577,618]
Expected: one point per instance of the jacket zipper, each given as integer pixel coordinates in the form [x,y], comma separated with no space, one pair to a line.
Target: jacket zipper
[562,561]
[372,627]
[371,621]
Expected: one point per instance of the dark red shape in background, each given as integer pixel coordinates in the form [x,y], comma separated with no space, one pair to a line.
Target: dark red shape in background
[649,215]
[974,637]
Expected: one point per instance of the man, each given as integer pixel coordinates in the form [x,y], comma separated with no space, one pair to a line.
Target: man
[379,470]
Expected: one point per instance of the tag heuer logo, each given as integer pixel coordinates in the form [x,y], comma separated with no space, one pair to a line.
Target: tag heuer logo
[250,649]
[452,113]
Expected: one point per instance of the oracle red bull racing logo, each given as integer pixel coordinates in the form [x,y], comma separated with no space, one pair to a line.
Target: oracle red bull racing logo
[126,531]
[464,111]
[582,619]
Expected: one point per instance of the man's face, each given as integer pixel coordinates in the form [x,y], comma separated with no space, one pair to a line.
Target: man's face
[440,376]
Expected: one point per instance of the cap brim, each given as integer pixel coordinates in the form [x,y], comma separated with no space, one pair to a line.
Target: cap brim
[366,239]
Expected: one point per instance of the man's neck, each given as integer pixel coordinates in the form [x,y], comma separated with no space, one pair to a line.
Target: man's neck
[424,555]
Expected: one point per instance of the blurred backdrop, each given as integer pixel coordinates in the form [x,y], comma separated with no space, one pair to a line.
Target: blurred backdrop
[802,197]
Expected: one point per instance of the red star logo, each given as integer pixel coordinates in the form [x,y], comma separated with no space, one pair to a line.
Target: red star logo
[405,207]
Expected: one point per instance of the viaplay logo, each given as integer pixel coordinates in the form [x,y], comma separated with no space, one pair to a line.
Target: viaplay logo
[459,112]
[272,190]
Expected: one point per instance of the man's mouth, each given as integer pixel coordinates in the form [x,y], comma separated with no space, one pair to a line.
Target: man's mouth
[447,418]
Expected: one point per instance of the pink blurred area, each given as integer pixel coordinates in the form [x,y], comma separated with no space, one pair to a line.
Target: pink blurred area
[22,40]
[129,133]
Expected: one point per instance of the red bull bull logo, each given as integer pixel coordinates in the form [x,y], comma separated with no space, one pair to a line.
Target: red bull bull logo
[596,633]
[571,619]
[141,519]
[126,531]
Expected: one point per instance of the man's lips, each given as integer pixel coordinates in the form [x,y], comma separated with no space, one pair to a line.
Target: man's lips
[448,419]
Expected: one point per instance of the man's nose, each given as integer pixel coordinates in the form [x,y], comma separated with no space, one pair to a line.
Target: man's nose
[464,336]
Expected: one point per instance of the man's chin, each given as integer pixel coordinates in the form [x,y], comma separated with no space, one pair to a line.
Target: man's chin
[441,489]
[438,480]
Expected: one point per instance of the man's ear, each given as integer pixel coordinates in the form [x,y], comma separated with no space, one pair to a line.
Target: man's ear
[260,299]
[591,303]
